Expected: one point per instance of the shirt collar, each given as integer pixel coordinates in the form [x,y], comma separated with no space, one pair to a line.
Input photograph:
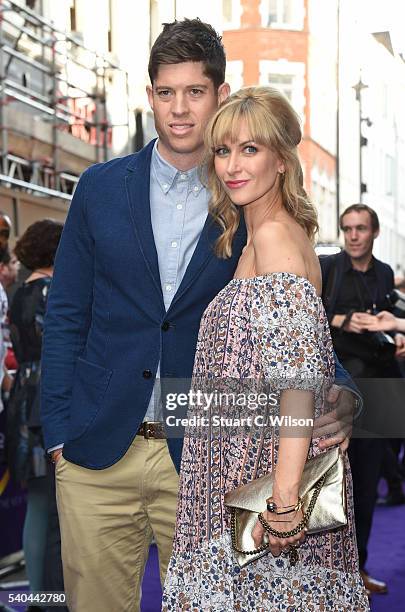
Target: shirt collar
[163,171]
[167,175]
[348,263]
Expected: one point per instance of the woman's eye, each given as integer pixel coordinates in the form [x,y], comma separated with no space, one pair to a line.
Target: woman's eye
[251,149]
[221,151]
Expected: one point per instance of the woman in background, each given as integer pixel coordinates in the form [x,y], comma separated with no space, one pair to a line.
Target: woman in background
[36,250]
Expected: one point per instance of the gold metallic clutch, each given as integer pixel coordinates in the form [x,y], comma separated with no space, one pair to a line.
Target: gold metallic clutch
[322,491]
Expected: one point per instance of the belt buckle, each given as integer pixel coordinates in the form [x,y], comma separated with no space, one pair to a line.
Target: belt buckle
[147,431]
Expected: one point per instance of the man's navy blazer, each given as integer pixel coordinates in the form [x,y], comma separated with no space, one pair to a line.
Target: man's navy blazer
[106,325]
[104,329]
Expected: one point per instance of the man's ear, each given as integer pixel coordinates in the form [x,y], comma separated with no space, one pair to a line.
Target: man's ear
[224,91]
[149,93]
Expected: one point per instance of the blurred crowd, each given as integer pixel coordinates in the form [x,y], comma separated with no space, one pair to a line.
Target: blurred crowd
[25,278]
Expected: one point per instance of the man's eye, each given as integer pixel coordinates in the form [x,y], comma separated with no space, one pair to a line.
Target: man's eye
[250,149]
[220,151]
[196,92]
[163,93]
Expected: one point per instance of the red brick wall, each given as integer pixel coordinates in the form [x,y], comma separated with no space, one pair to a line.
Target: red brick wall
[252,43]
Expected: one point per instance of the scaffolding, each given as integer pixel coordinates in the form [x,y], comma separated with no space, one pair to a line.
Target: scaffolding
[62,88]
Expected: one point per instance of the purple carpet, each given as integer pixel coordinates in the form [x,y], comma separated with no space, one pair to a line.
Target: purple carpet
[386,556]
[151,589]
[386,562]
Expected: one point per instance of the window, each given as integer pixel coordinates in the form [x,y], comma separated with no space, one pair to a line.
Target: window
[109,33]
[231,12]
[280,11]
[73,24]
[284,83]
[283,14]
[287,77]
[227,10]
[234,74]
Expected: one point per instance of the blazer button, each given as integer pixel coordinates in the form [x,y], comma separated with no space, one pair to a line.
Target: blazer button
[165,326]
[147,374]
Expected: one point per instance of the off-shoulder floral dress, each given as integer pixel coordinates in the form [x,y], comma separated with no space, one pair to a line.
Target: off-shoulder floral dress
[274,328]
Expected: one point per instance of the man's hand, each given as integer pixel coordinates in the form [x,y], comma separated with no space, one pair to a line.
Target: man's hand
[56,455]
[335,427]
[400,343]
[359,322]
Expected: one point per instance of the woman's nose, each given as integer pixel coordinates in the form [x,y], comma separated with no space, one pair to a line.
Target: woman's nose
[233,163]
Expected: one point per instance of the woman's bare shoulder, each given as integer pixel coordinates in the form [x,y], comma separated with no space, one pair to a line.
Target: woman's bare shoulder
[278,250]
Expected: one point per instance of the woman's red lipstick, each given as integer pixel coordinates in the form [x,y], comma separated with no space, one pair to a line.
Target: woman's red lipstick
[235,184]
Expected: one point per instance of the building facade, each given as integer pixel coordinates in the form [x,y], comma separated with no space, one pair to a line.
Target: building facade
[315,52]
[72,92]
[285,44]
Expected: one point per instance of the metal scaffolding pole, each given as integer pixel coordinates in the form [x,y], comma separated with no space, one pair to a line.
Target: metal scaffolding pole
[3,127]
[54,94]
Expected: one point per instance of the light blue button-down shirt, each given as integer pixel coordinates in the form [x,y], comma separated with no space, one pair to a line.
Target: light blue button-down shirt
[179,207]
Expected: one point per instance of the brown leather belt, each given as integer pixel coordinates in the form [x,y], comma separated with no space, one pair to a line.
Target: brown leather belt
[150,429]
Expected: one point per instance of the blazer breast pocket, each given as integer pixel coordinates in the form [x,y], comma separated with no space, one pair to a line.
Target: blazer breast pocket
[90,385]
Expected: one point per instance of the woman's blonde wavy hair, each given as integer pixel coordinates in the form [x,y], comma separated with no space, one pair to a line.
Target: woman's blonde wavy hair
[272,122]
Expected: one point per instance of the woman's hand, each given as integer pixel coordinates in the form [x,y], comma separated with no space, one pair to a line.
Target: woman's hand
[278,545]
[383,321]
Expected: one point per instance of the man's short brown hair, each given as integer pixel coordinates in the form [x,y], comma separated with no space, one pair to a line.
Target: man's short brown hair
[375,222]
[190,40]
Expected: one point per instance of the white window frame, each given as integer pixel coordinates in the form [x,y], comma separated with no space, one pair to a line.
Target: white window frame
[294,69]
[234,74]
[298,9]
[235,22]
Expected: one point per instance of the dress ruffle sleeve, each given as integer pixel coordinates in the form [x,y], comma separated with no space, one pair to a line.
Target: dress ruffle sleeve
[290,330]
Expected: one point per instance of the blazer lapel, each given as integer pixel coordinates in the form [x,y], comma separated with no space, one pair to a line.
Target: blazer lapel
[137,182]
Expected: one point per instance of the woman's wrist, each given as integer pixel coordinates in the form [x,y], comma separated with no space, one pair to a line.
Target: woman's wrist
[276,508]
[285,496]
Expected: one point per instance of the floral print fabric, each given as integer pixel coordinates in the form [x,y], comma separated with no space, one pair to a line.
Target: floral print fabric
[270,330]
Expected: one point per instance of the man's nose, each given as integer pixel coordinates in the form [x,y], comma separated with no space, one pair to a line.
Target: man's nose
[180,105]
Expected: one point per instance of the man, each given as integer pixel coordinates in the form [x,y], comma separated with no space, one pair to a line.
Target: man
[9,267]
[5,379]
[5,229]
[120,317]
[355,286]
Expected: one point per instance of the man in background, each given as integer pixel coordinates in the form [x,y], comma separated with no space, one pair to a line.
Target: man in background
[355,286]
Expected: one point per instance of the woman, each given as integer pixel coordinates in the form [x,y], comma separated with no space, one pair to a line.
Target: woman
[267,324]
[36,250]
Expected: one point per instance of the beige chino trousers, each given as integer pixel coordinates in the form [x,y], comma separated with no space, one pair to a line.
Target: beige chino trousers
[107,520]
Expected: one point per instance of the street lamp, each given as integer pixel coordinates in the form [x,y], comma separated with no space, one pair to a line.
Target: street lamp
[358,88]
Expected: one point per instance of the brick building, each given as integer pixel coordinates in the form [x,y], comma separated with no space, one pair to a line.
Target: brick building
[286,44]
